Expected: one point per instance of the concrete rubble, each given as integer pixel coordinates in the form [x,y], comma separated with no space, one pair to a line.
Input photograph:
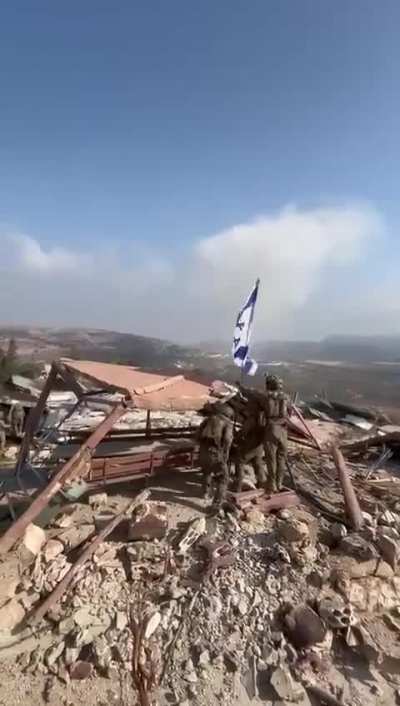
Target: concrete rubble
[278,603]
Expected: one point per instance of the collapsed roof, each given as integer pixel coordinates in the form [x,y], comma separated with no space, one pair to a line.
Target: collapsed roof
[147,390]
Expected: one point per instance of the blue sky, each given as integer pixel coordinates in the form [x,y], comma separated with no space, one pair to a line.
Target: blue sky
[132,134]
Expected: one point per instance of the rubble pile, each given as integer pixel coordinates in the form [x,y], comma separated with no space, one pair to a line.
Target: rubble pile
[134,419]
[281,607]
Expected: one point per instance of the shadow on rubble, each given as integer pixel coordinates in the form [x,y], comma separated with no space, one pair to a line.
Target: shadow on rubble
[181,487]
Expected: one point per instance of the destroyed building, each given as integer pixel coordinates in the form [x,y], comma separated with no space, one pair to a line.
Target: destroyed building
[116,585]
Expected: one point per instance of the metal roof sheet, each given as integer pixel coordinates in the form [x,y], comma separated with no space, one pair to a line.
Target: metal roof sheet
[147,390]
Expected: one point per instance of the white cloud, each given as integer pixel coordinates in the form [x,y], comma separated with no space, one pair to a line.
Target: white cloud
[301,255]
[32,256]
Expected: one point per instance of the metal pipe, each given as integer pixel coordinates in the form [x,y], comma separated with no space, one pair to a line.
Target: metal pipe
[353,510]
[76,466]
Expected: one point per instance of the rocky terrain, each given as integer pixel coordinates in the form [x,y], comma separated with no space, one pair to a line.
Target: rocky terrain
[291,607]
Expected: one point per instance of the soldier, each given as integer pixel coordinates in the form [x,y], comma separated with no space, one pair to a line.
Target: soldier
[275,409]
[3,436]
[249,449]
[16,419]
[215,436]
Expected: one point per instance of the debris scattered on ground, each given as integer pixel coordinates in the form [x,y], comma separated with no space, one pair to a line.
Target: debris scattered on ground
[286,599]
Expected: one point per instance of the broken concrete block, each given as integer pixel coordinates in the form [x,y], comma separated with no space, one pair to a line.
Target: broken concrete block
[389,518]
[34,539]
[28,598]
[285,686]
[63,521]
[54,653]
[66,626]
[8,588]
[152,625]
[204,658]
[11,453]
[338,531]
[196,528]
[71,655]
[84,617]
[293,530]
[73,537]
[389,548]
[374,594]
[255,518]
[356,546]
[52,549]
[98,499]
[81,670]
[304,627]
[11,614]
[154,525]
[74,515]
[121,620]
[243,606]
[232,660]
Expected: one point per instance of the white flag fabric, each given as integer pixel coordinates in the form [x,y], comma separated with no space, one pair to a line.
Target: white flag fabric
[242,333]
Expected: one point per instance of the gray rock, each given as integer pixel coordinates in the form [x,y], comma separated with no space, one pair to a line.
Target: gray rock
[54,653]
[98,499]
[356,546]
[75,536]
[33,539]
[232,660]
[66,626]
[243,606]
[11,615]
[121,620]
[389,518]
[87,635]
[338,531]
[84,617]
[389,549]
[8,588]
[71,655]
[304,627]
[293,530]
[204,658]
[285,686]
[52,549]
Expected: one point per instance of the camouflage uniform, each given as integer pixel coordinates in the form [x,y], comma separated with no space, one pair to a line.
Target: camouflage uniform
[250,450]
[215,437]
[3,436]
[276,439]
[274,407]
[17,419]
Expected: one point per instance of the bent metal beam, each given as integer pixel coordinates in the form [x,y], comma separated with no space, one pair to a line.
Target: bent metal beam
[78,465]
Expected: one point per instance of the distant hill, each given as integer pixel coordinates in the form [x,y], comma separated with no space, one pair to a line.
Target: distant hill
[345,371]
[350,349]
[45,344]
[207,360]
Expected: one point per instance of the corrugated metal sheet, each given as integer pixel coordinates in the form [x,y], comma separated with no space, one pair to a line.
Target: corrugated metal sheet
[147,390]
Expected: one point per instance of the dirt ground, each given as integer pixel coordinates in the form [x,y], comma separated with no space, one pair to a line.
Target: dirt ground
[359,683]
[181,490]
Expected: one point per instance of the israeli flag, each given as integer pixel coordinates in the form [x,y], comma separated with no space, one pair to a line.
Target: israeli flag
[242,333]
